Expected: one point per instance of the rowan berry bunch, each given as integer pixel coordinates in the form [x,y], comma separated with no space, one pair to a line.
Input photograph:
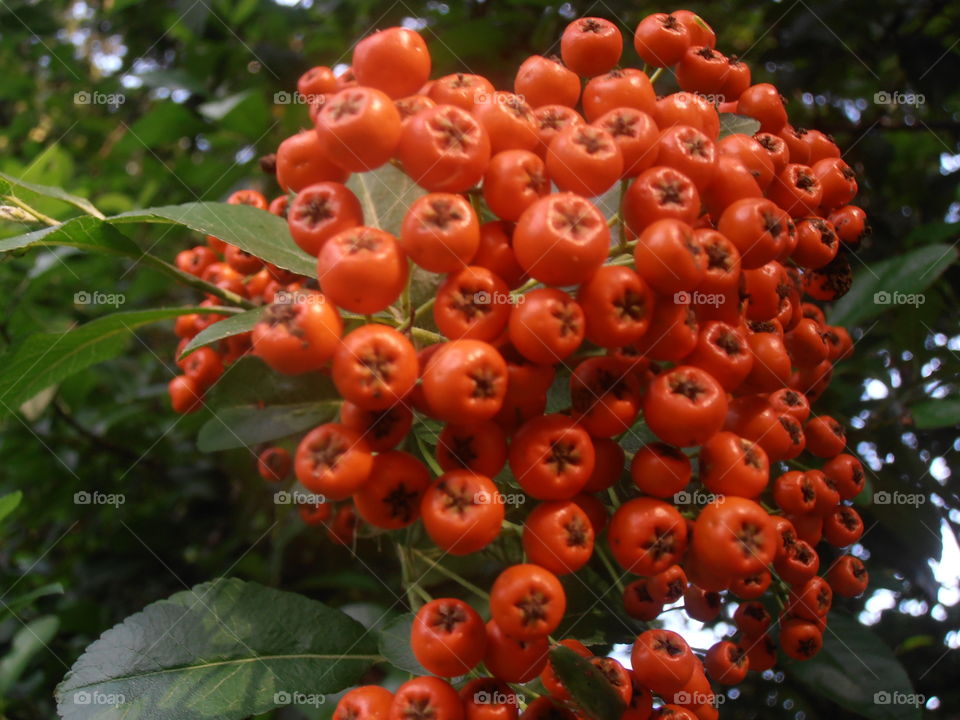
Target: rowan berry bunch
[692,315]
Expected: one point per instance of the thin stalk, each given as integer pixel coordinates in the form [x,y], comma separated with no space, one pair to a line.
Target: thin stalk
[453,576]
[618,581]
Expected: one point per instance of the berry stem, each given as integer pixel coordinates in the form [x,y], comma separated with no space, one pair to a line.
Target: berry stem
[656,74]
[434,565]
[617,579]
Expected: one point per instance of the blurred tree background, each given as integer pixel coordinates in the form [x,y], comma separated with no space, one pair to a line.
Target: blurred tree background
[135,104]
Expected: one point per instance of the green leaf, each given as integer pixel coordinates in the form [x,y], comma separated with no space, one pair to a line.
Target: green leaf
[733,124]
[588,688]
[895,282]
[9,503]
[9,182]
[256,231]
[224,650]
[250,381]
[233,325]
[10,607]
[395,645]
[45,359]
[247,425]
[856,670]
[384,194]
[85,233]
[27,642]
[936,414]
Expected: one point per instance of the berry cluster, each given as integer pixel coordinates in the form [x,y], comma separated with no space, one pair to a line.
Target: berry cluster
[685,309]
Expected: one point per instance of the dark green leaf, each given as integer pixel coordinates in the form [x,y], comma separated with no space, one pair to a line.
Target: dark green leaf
[395,645]
[9,503]
[15,605]
[8,182]
[589,689]
[249,381]
[28,641]
[936,414]
[247,425]
[86,233]
[733,124]
[223,650]
[233,325]
[889,284]
[856,670]
[256,231]
[45,359]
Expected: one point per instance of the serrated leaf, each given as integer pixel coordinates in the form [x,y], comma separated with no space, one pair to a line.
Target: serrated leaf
[233,325]
[588,688]
[395,645]
[224,650]
[28,641]
[384,194]
[85,233]
[936,414]
[256,231]
[856,670]
[891,283]
[45,359]
[733,124]
[9,182]
[9,503]
[247,425]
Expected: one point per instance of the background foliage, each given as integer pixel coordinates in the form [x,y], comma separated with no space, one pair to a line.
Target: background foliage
[135,104]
